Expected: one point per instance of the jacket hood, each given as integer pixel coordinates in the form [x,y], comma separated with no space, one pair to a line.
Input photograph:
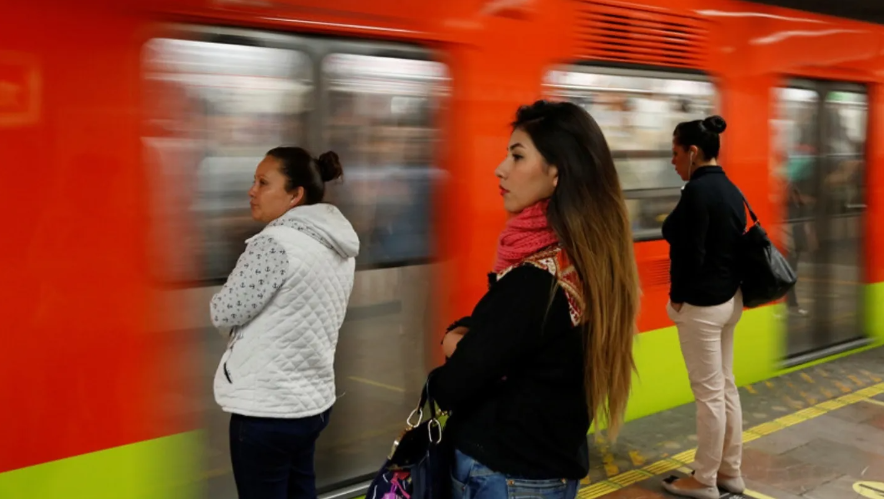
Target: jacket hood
[325,223]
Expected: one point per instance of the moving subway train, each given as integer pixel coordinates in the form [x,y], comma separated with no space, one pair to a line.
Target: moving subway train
[130,135]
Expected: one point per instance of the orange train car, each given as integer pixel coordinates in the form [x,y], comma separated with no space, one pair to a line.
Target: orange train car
[129,131]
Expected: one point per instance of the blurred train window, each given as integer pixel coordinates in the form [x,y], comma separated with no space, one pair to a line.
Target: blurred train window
[381,116]
[214,109]
[847,118]
[637,111]
[819,167]
[381,121]
[794,143]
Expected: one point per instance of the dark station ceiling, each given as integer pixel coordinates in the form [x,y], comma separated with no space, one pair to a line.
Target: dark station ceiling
[863,10]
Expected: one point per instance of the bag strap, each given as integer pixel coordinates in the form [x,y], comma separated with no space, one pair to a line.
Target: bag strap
[748,206]
[433,421]
[424,400]
[428,399]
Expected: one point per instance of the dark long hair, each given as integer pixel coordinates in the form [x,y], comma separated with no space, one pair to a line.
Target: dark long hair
[588,213]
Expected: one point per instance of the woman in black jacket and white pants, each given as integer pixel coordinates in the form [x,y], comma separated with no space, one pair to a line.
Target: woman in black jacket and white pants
[703,232]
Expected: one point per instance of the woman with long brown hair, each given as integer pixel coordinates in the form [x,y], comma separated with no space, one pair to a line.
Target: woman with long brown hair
[548,349]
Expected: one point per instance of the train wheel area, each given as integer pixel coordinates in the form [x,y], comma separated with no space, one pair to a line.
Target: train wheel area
[816,432]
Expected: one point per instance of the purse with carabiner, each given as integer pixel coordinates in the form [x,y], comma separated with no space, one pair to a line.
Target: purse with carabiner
[419,464]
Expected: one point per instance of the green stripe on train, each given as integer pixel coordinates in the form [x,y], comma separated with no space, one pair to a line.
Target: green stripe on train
[161,468]
[760,345]
[875,311]
[662,381]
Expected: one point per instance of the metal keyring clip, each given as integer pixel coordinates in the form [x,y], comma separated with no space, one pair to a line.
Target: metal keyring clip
[420,417]
[430,430]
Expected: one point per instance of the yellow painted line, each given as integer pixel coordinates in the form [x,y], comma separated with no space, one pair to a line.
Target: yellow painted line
[598,490]
[870,391]
[790,420]
[678,461]
[811,412]
[748,437]
[856,381]
[661,467]
[630,477]
[375,383]
[850,399]
[871,376]
[768,384]
[831,405]
[751,389]
[807,378]
[756,495]
[686,457]
[766,428]
[827,392]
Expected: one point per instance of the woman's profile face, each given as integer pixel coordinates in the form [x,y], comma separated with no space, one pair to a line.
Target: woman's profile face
[268,198]
[525,177]
[682,159]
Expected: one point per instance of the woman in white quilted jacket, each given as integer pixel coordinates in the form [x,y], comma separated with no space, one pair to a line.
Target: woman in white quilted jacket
[284,304]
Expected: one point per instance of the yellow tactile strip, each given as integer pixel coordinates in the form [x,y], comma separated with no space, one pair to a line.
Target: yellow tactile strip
[623,480]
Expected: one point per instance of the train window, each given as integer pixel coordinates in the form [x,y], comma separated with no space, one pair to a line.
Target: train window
[381,121]
[847,112]
[214,109]
[638,111]
[795,137]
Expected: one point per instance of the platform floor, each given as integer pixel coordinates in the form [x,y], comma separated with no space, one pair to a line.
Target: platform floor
[816,433]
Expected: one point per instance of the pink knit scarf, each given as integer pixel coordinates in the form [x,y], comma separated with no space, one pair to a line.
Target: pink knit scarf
[524,234]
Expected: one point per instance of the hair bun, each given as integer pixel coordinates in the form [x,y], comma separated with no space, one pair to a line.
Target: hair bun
[715,124]
[329,166]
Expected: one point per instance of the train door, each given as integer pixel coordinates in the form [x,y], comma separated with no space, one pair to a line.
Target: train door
[220,99]
[822,170]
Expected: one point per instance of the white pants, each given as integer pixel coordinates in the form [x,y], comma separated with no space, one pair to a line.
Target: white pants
[706,335]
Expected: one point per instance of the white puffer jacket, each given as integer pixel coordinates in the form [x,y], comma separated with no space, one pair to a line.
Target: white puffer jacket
[280,358]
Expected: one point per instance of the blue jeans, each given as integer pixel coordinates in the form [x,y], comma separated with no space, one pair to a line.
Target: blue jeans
[471,479]
[273,458]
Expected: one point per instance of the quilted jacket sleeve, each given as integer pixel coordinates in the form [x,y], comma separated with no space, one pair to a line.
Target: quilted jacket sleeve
[259,273]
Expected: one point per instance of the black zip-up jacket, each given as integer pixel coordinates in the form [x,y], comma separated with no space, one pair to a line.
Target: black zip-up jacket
[514,385]
[704,232]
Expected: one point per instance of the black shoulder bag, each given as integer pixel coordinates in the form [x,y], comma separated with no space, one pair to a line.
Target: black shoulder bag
[419,465]
[766,274]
